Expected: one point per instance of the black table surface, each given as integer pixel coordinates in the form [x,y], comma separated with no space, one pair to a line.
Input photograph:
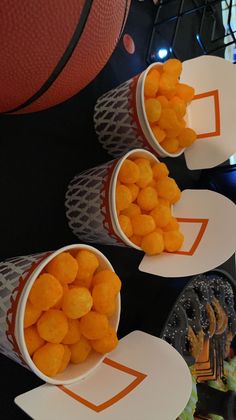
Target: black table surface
[40,153]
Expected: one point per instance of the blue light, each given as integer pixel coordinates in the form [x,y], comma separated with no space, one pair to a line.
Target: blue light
[162,53]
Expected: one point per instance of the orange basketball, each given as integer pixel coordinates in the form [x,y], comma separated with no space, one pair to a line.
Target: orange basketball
[52,49]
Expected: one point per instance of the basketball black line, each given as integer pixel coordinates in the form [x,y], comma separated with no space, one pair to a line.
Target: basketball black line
[64,59]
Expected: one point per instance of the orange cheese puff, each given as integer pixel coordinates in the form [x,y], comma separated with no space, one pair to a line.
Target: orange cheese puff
[65,360]
[160,171]
[186,137]
[94,325]
[171,145]
[77,302]
[125,225]
[163,101]
[168,119]
[64,267]
[48,358]
[158,133]
[73,334]
[129,172]
[32,339]
[172,225]
[174,132]
[153,109]
[85,282]
[45,292]
[152,184]
[145,172]
[164,202]
[106,343]
[151,83]
[31,315]
[159,230]
[134,189]
[65,287]
[108,276]
[136,239]
[176,197]
[112,309]
[178,105]
[87,265]
[123,197]
[170,94]
[173,66]
[132,210]
[103,298]
[167,188]
[147,198]
[173,240]
[80,350]
[52,326]
[161,214]
[167,83]
[185,92]
[143,224]
[153,243]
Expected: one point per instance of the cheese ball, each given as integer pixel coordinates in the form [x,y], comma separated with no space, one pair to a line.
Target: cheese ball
[123,197]
[87,265]
[45,292]
[143,224]
[48,358]
[153,243]
[125,225]
[31,315]
[153,109]
[147,198]
[171,145]
[185,92]
[94,325]
[73,334]
[80,350]
[64,267]
[159,171]
[65,360]
[52,326]
[129,172]
[103,298]
[33,341]
[161,215]
[106,343]
[145,172]
[158,133]
[167,188]
[107,276]
[77,302]
[151,83]
[173,240]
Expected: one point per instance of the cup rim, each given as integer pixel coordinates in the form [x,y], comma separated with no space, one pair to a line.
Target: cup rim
[143,117]
[112,193]
[19,326]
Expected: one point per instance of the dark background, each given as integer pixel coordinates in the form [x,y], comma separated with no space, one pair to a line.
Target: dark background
[41,152]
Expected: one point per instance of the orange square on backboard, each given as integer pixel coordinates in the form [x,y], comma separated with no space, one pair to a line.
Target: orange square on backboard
[215,95]
[138,378]
[203,224]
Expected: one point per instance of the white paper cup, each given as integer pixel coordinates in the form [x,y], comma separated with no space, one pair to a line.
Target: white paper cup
[91,202]
[120,119]
[17,276]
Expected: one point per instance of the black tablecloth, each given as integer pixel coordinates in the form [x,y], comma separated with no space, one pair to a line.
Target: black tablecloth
[41,152]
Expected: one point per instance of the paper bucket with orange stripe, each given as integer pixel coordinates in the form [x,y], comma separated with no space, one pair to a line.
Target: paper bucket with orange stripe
[17,275]
[91,202]
[121,123]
